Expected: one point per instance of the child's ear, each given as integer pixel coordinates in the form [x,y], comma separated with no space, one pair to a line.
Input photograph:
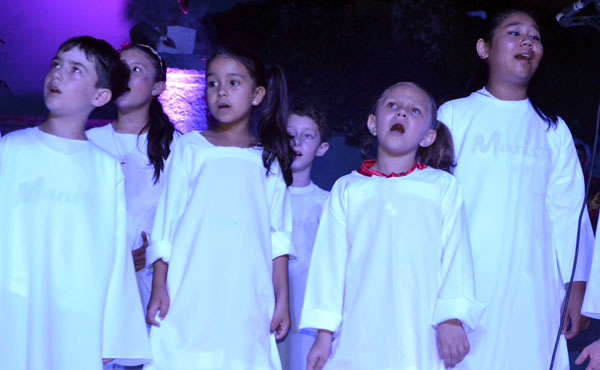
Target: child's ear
[259,94]
[158,88]
[429,138]
[372,124]
[323,148]
[102,97]
[482,49]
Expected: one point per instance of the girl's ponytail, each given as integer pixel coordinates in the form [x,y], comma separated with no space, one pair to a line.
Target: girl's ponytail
[160,128]
[272,126]
[160,136]
[440,154]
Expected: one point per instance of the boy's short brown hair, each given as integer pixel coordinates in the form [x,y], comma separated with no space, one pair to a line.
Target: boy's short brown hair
[317,116]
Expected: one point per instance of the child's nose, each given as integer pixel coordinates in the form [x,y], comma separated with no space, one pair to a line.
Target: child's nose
[222,91]
[401,112]
[526,41]
[55,73]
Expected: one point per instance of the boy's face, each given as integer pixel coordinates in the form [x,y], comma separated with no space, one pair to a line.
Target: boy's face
[70,85]
[305,141]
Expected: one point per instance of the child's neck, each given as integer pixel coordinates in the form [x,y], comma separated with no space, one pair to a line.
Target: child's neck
[131,122]
[69,127]
[507,91]
[301,178]
[231,135]
[393,164]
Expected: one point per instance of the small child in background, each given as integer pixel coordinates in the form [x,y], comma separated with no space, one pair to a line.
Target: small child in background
[308,130]
[67,283]
[391,275]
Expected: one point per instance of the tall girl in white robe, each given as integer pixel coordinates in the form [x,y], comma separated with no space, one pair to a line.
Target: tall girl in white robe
[391,274]
[523,190]
[140,139]
[222,232]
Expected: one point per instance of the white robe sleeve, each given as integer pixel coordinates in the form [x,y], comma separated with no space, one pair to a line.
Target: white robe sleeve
[123,307]
[591,302]
[171,205]
[456,296]
[324,297]
[564,199]
[281,221]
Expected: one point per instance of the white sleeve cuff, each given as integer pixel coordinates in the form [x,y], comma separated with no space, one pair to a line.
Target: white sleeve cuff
[467,311]
[158,250]
[281,242]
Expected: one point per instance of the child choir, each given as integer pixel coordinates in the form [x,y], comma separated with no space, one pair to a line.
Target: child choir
[451,248]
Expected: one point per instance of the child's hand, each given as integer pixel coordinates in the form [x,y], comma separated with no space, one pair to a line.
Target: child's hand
[320,351]
[159,302]
[578,322]
[452,342]
[139,255]
[280,324]
[593,352]
[594,203]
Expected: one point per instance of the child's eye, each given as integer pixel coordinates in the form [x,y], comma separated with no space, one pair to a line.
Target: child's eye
[535,37]
[76,70]
[416,111]
[514,33]
[54,65]
[211,84]
[392,105]
[136,69]
[308,136]
[234,82]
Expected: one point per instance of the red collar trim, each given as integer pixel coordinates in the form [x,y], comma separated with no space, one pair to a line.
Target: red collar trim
[365,169]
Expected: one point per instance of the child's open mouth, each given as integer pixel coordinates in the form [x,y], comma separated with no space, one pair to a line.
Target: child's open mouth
[224,106]
[398,127]
[524,56]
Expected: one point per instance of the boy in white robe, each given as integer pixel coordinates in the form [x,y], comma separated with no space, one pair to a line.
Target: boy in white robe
[66,284]
[308,129]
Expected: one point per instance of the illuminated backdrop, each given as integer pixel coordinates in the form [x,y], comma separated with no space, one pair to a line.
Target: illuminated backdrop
[183,100]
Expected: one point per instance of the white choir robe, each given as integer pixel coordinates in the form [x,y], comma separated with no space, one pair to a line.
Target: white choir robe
[591,302]
[307,205]
[140,190]
[67,286]
[523,189]
[391,260]
[219,224]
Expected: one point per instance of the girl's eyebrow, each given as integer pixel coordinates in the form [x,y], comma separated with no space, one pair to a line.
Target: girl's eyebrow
[522,24]
[235,74]
[228,74]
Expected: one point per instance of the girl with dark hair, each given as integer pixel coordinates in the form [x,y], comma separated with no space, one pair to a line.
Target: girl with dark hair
[140,139]
[390,277]
[523,193]
[222,233]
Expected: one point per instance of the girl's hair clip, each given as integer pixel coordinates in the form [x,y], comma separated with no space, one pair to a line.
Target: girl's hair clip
[153,51]
[127,44]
